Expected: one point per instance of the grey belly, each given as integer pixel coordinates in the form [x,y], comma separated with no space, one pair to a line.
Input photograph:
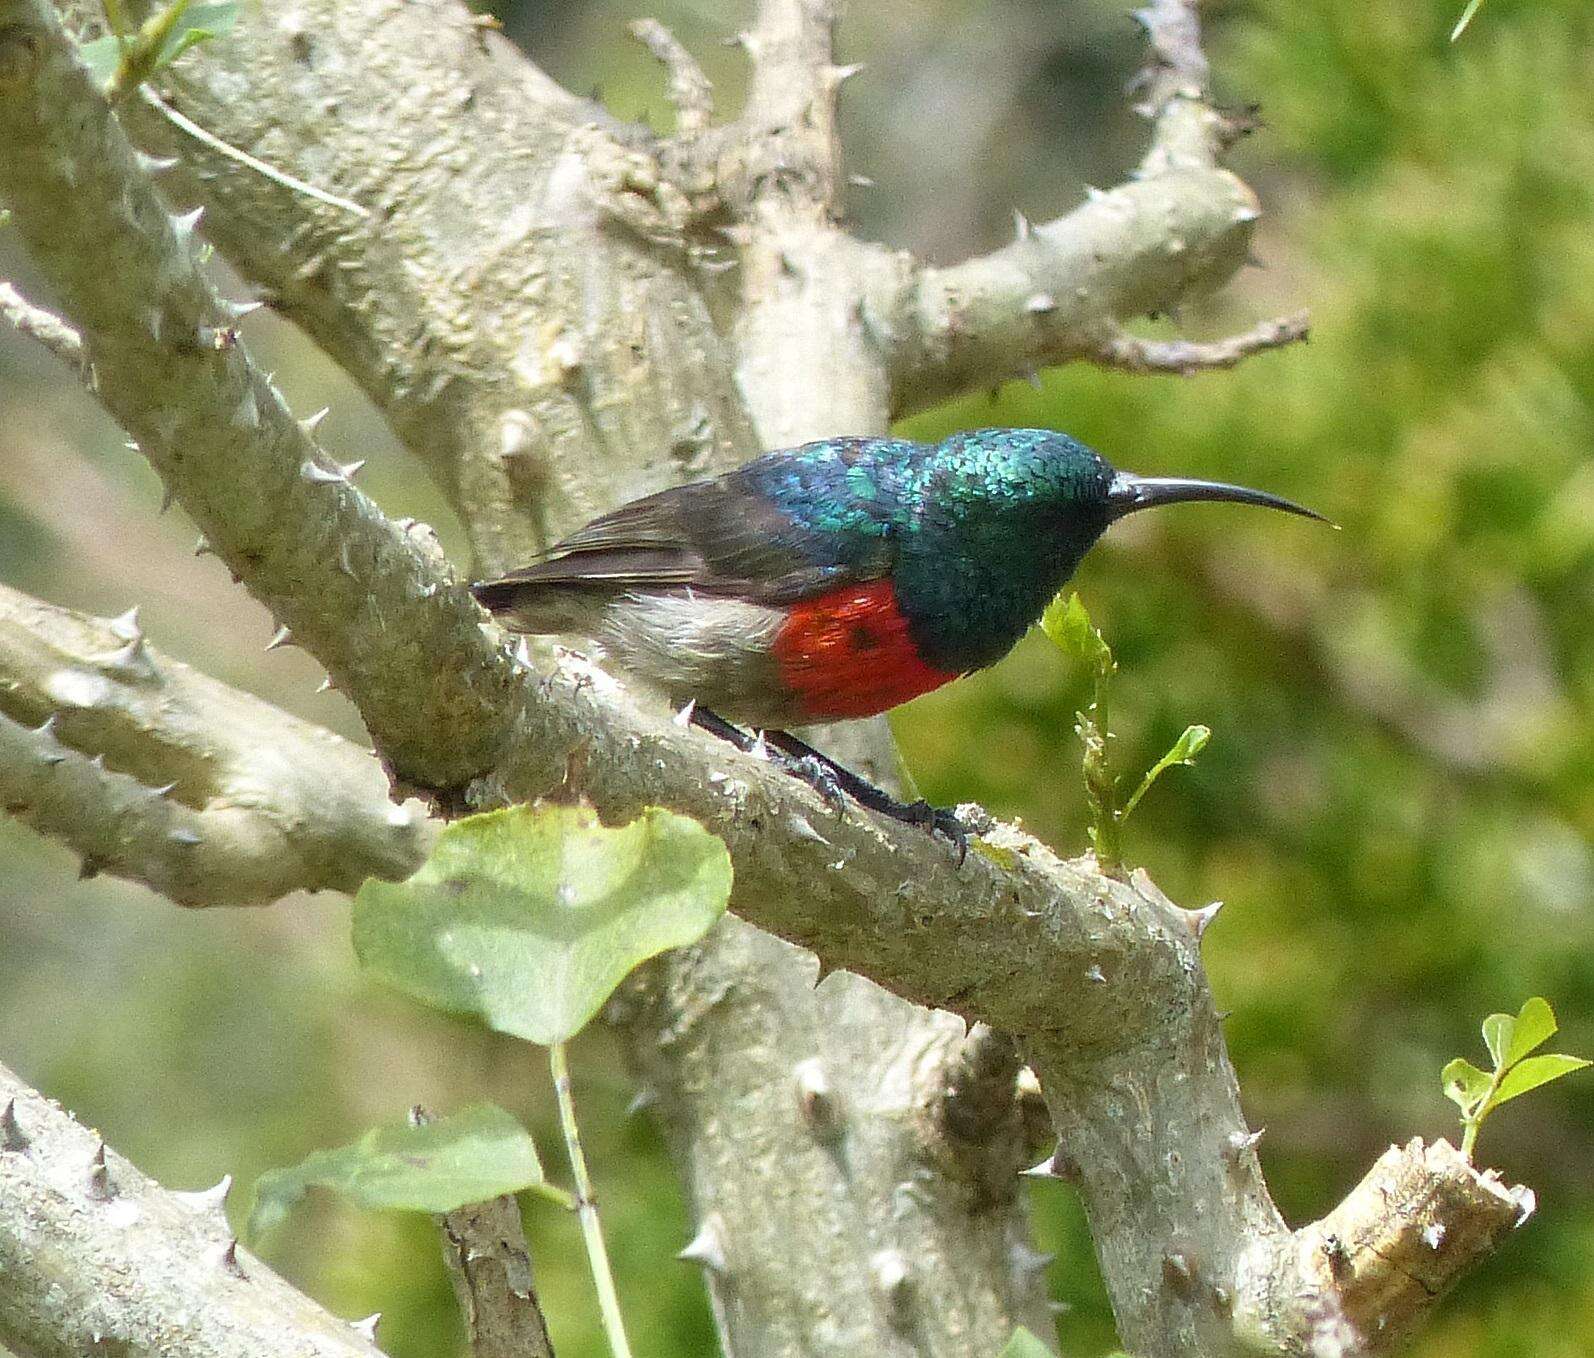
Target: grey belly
[717,652]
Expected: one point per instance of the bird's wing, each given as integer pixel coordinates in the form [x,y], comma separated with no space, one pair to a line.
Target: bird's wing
[721,537]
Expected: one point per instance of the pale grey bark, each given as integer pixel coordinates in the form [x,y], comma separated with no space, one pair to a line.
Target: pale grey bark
[154,772]
[484,1247]
[566,357]
[95,1258]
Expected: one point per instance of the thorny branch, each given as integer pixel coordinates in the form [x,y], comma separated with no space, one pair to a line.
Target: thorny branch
[97,1258]
[1115,1017]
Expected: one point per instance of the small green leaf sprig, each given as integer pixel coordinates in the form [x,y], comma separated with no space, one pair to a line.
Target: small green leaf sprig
[1068,626]
[1511,1042]
[124,58]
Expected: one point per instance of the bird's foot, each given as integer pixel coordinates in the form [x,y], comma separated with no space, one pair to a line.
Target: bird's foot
[938,820]
[817,774]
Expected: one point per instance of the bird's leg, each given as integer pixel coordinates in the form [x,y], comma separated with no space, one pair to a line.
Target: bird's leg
[833,781]
[936,819]
[819,773]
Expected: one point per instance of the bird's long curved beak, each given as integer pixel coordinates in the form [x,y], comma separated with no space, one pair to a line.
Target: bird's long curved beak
[1129,493]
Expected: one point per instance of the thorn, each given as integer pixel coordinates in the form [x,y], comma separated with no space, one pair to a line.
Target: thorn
[1239,1143]
[99,1176]
[126,657]
[310,422]
[1177,1274]
[803,828]
[238,310]
[98,762]
[837,75]
[47,726]
[1096,974]
[758,749]
[184,836]
[318,475]
[352,469]
[366,1328]
[1242,215]
[229,1259]
[893,1279]
[1527,1204]
[1047,1168]
[820,1107]
[1022,228]
[1201,920]
[1041,304]
[683,718]
[202,547]
[1093,194]
[184,223]
[126,626]
[1033,378]
[167,496]
[281,637]
[209,1199]
[11,1136]
[705,1248]
[153,322]
[325,686]
[642,1100]
[164,790]
[861,181]
[1025,1260]
[155,164]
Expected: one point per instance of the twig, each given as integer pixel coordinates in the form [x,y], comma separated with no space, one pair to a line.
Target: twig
[484,1246]
[1185,358]
[690,93]
[45,327]
[232,152]
[587,1206]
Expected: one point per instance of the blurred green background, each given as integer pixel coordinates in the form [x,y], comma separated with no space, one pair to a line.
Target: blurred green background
[1399,795]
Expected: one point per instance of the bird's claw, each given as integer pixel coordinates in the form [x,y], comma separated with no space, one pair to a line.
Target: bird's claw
[939,820]
[822,778]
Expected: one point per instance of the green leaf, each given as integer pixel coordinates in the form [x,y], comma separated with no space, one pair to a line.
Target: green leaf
[1070,630]
[1533,1072]
[1184,751]
[164,38]
[1464,1084]
[1497,1031]
[1534,1026]
[479,1152]
[1024,1344]
[530,917]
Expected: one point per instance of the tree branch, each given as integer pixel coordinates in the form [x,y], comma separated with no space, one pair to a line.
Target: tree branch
[690,93]
[98,1258]
[484,1246]
[363,595]
[45,327]
[1185,358]
[1100,979]
[546,373]
[1177,230]
[159,774]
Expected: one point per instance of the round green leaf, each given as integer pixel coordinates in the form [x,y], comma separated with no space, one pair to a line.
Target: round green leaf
[480,1152]
[530,917]
[1532,1028]
[1533,1072]
[1464,1084]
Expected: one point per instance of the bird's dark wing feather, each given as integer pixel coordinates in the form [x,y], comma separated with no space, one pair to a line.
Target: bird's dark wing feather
[719,537]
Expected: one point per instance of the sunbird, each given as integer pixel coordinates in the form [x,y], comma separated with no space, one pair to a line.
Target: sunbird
[837,579]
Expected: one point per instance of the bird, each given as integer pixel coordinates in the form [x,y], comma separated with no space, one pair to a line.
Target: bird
[837,579]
